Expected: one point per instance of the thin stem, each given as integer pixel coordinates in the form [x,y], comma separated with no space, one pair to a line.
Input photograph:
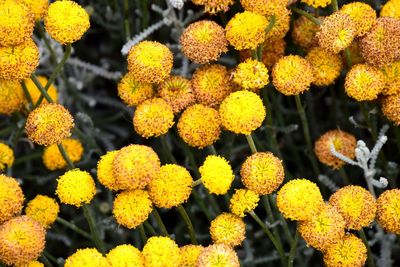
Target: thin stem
[293,249]
[142,234]
[46,41]
[65,156]
[306,15]
[196,183]
[189,224]
[349,60]
[27,94]
[93,229]
[202,206]
[250,141]
[167,150]
[150,228]
[126,20]
[42,90]
[50,257]
[271,218]
[271,24]
[370,259]
[212,150]
[160,222]
[74,228]
[46,261]
[335,5]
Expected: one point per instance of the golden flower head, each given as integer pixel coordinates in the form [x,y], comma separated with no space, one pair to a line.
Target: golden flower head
[363,16]
[171,187]
[125,255]
[52,158]
[204,41]
[189,255]
[38,8]
[391,9]
[35,93]
[6,157]
[150,62]
[317,3]
[343,143]
[271,53]
[66,21]
[88,257]
[132,208]
[76,188]
[18,62]
[105,172]
[161,251]
[246,30]
[199,126]
[214,6]
[261,6]
[133,92]
[388,212]
[31,264]
[262,173]
[49,124]
[218,255]
[251,74]
[281,23]
[22,240]
[177,91]
[11,97]
[135,166]
[391,108]
[43,209]
[364,82]
[216,175]
[304,33]
[348,252]
[243,201]
[11,198]
[391,72]
[228,229]
[299,199]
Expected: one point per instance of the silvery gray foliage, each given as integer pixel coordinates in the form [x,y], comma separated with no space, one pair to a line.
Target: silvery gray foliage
[97,70]
[177,3]
[325,180]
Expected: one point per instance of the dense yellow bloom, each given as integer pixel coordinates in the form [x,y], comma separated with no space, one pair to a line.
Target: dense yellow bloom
[125,255]
[218,255]
[31,264]
[105,172]
[271,53]
[391,9]
[35,93]
[171,187]
[392,76]
[49,124]
[190,255]
[135,166]
[6,157]
[161,251]
[203,41]
[251,75]
[216,175]
[66,21]
[177,91]
[348,252]
[43,209]
[52,158]
[261,6]
[292,75]
[304,33]
[132,208]
[38,8]
[22,240]
[363,16]
[281,24]
[299,199]
[364,82]
[317,3]
[388,213]
[133,92]
[343,143]
[262,173]
[11,198]
[214,6]
[391,108]
[228,229]
[243,201]
[246,30]
[199,126]
[150,62]
[11,97]
[76,188]
[88,257]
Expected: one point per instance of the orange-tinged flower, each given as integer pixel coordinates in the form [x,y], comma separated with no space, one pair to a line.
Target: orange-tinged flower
[11,198]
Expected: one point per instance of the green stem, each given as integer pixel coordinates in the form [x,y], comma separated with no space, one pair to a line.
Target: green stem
[293,249]
[42,90]
[306,15]
[142,234]
[167,150]
[150,228]
[74,228]
[271,24]
[250,141]
[335,5]
[93,229]
[212,150]
[370,259]
[189,224]
[46,41]
[50,257]
[271,218]
[46,261]
[160,222]
[349,60]
[65,156]
[202,205]
[126,20]
[196,183]
[27,94]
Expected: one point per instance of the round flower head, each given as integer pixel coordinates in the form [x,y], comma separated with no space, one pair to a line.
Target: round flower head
[22,240]
[391,9]
[348,252]
[228,229]
[203,41]
[105,173]
[11,97]
[356,205]
[242,112]
[388,215]
[246,30]
[161,251]
[391,108]
[38,8]
[133,92]
[18,62]
[292,75]
[363,16]
[189,255]
[216,175]
[125,255]
[132,208]
[317,3]
[336,32]
[134,166]
[171,187]
[364,83]
[177,91]
[218,255]
[271,53]
[49,124]
[66,21]
[281,20]
[35,93]
[11,198]
[32,264]
[392,76]
[262,173]
[326,66]
[43,209]
[76,188]
[304,33]
[211,84]
[52,158]
[323,229]
[243,201]
[299,199]
[88,257]
[343,143]
[150,62]
[214,6]
[199,126]
[251,75]
[6,157]
[261,6]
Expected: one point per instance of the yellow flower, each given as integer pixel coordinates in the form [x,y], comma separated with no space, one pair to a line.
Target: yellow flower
[105,173]
[299,199]
[292,75]
[317,3]
[261,6]
[343,142]
[199,126]
[153,118]
[214,6]
[218,255]
[281,20]
[243,201]
[251,75]
[132,208]
[363,16]
[161,251]
[133,92]
[11,198]
[271,53]
[204,41]
[88,257]
[6,157]
[246,30]
[49,124]
[38,8]
[66,21]
[171,187]
[11,97]
[52,158]
[304,33]
[125,255]
[364,82]
[348,252]
[35,93]
[31,264]
[43,209]
[190,255]
[216,175]
[76,188]
[391,108]
[177,91]
[228,229]
[150,62]
[392,76]
[391,9]
[262,173]
[22,240]
[135,166]
[388,213]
